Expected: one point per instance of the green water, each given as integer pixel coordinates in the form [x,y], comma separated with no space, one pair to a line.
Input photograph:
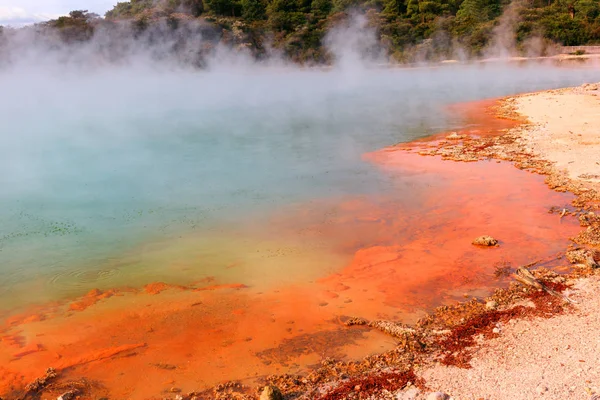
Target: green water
[125,177]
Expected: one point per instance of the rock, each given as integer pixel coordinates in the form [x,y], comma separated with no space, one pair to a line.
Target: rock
[586,257]
[485,241]
[455,136]
[71,394]
[271,393]
[541,389]
[590,86]
[410,394]
[437,396]
[491,305]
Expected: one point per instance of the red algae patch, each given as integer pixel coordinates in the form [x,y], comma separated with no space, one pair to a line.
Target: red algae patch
[407,255]
[412,253]
[223,286]
[139,345]
[361,387]
[456,347]
[408,250]
[482,118]
[90,299]
[158,287]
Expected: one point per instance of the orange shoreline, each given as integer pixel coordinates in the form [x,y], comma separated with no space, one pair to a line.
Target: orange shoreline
[405,259]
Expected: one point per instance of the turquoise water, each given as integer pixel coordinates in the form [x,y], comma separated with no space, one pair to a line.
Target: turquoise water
[97,166]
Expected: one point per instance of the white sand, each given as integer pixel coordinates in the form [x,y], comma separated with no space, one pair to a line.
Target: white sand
[556,358]
[566,129]
[553,359]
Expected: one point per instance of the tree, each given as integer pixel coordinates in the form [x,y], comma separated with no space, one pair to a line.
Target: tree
[587,9]
[565,30]
[321,8]
[253,10]
[230,8]
[129,9]
[284,15]
[190,7]
[393,8]
[78,26]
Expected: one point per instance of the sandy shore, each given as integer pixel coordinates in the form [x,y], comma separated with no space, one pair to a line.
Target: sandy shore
[565,129]
[521,342]
[556,358]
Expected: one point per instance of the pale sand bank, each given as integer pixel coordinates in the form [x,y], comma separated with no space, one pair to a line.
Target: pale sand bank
[556,358]
[566,129]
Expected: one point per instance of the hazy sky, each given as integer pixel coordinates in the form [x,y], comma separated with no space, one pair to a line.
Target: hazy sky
[20,12]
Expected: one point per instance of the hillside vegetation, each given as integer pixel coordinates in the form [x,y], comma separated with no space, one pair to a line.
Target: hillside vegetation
[406,30]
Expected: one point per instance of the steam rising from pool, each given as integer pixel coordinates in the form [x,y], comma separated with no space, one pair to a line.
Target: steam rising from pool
[102,170]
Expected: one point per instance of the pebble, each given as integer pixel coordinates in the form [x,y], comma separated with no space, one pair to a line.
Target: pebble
[437,396]
[455,136]
[410,394]
[491,305]
[271,393]
[485,241]
[541,389]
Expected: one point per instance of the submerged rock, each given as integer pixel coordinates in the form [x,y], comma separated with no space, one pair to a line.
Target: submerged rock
[271,393]
[485,241]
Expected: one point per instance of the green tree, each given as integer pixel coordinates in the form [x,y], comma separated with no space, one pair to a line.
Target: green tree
[565,30]
[588,9]
[393,8]
[343,5]
[78,26]
[321,7]
[253,10]
[230,8]
[129,9]
[190,7]
[284,15]
[473,11]
[412,8]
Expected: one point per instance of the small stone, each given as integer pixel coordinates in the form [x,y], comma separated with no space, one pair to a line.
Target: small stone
[271,393]
[541,389]
[175,390]
[491,305]
[410,394]
[455,136]
[437,396]
[485,241]
[71,394]
[496,330]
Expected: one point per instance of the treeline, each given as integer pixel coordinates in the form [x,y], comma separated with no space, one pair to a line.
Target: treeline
[406,29]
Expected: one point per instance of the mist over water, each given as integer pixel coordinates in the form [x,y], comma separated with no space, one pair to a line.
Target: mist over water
[97,163]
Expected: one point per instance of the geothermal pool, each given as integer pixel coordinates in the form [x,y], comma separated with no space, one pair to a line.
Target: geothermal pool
[233,215]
